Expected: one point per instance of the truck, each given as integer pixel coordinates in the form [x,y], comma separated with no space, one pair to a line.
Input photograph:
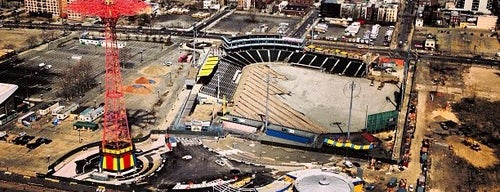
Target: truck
[352,29]
[374,31]
[392,182]
[388,35]
[182,57]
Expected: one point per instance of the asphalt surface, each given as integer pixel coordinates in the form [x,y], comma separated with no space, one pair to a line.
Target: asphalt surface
[201,167]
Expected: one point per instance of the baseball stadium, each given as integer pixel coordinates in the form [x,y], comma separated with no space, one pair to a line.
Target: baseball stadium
[309,99]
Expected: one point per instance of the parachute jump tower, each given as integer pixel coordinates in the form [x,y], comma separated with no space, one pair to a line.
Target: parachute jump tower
[117,148]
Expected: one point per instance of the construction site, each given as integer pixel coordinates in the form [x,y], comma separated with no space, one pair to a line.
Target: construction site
[460,110]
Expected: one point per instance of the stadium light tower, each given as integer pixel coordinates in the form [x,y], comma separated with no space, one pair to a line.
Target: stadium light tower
[116,148]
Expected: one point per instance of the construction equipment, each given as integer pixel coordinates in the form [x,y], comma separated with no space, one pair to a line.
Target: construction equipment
[473,144]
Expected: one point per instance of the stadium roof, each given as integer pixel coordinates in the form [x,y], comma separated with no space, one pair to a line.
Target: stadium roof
[6,90]
[318,180]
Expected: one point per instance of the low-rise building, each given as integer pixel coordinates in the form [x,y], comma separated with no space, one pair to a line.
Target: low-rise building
[486,22]
[419,22]
[66,111]
[90,114]
[430,43]
[296,10]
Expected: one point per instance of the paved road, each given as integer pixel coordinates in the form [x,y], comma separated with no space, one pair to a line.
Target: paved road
[303,28]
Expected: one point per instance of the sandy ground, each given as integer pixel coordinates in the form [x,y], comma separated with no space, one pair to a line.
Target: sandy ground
[484,82]
[155,70]
[482,159]
[441,113]
[325,97]
[17,37]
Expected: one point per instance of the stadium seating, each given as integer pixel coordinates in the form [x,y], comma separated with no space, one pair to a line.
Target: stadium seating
[234,61]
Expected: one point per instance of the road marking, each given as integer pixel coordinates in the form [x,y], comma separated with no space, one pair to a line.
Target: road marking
[34,58]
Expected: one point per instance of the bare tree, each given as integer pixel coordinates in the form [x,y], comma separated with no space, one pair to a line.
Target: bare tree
[124,56]
[76,80]
[32,40]
[9,46]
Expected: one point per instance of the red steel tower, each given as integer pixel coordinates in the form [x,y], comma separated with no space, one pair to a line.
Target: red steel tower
[117,147]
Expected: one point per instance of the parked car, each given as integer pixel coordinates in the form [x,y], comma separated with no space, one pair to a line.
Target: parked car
[188,157]
[393,182]
[348,164]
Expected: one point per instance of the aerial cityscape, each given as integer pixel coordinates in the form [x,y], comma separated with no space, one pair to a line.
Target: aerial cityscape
[250,95]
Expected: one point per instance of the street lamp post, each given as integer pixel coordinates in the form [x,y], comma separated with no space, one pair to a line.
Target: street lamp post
[141,55]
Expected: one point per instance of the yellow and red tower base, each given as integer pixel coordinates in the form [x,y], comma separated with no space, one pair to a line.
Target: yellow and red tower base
[118,160]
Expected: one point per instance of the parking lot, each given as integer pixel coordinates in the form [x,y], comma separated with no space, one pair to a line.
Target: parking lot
[336,33]
[142,116]
[240,23]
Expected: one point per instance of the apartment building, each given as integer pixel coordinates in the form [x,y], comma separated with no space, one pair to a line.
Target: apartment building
[56,8]
[374,11]
[388,13]
[245,4]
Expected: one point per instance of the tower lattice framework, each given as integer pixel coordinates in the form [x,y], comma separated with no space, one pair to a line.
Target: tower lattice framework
[117,146]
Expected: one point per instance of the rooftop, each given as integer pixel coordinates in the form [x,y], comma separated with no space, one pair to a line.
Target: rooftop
[6,90]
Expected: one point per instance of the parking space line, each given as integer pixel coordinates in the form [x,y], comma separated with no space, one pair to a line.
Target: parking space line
[34,58]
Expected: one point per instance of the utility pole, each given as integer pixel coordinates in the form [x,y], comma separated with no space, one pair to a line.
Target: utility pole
[350,111]
[218,87]
[194,45]
[267,102]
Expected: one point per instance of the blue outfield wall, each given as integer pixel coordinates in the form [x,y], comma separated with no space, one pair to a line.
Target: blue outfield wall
[289,136]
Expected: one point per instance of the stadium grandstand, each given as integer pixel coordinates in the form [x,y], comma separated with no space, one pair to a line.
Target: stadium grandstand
[247,51]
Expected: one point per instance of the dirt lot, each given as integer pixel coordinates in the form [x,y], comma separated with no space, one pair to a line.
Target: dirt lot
[467,96]
[18,37]
[457,41]
[484,82]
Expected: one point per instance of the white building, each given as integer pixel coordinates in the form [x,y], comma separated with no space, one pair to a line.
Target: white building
[90,114]
[419,22]
[211,4]
[64,113]
[49,109]
[430,43]
[482,6]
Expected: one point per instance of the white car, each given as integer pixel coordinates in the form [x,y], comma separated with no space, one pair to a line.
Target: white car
[348,164]
[167,63]
[187,157]
[411,188]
